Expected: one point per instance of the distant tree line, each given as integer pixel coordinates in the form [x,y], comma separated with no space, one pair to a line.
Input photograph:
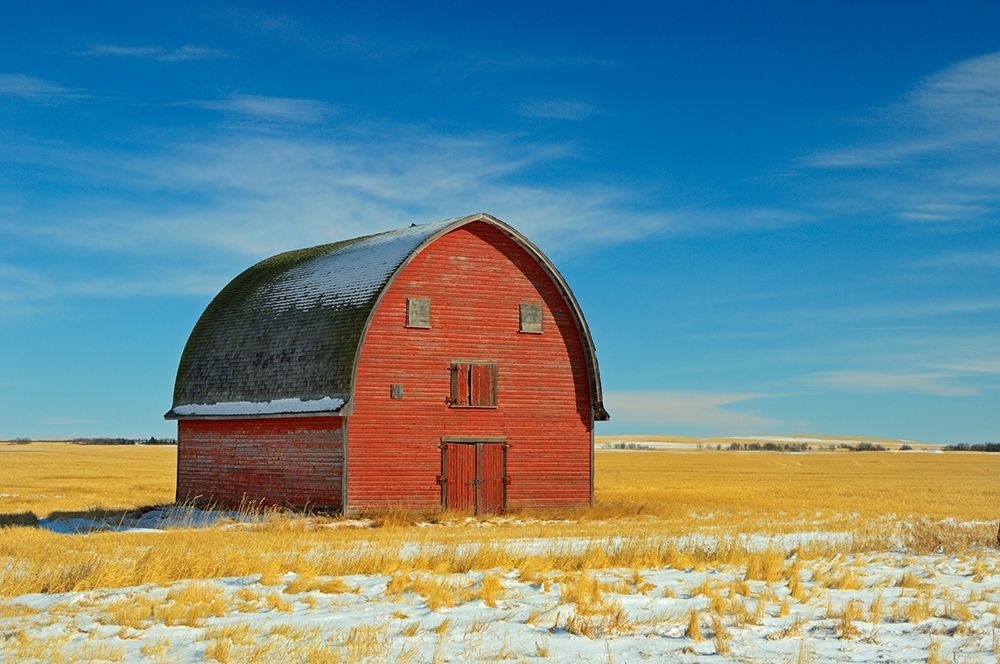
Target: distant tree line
[862,447]
[976,447]
[769,446]
[124,441]
[629,446]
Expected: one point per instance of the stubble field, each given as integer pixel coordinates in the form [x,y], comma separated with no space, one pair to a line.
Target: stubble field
[685,556]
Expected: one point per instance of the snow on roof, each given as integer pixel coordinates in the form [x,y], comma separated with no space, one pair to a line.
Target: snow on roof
[287,329]
[273,407]
[349,274]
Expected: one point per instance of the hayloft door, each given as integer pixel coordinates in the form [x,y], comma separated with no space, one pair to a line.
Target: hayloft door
[473,475]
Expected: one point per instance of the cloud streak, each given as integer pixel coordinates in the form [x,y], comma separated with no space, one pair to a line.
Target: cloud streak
[557,109]
[956,109]
[934,155]
[25,285]
[35,89]
[932,383]
[280,109]
[715,413]
[184,53]
[986,259]
[255,193]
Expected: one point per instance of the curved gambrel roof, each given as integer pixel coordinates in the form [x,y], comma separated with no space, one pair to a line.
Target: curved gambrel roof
[284,336]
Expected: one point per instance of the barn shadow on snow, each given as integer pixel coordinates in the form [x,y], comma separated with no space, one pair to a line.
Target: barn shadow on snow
[119,516]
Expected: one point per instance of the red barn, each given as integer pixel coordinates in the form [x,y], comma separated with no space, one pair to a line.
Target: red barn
[445,365]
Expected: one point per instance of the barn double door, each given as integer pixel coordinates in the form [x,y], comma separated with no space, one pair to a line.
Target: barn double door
[474,476]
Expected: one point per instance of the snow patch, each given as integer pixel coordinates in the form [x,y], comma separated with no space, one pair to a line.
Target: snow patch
[273,407]
[529,619]
[349,276]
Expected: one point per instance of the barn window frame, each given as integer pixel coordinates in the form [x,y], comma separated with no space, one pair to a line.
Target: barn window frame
[530,317]
[464,392]
[418,313]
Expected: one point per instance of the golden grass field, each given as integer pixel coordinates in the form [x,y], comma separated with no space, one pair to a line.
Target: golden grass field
[639,495]
[47,478]
[654,510]
[42,478]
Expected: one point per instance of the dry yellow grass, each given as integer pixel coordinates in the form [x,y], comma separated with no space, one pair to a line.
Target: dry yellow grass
[42,478]
[191,604]
[640,496]
[868,484]
[693,629]
[334,586]
[490,589]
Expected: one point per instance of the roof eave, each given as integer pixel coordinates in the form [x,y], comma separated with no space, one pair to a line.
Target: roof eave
[171,415]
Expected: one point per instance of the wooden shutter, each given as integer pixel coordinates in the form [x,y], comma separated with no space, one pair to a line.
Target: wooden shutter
[531,317]
[460,374]
[474,384]
[483,383]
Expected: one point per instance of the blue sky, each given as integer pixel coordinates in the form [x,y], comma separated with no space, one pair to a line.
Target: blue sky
[778,217]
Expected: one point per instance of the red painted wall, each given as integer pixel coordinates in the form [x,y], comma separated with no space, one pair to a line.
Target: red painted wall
[475,277]
[293,461]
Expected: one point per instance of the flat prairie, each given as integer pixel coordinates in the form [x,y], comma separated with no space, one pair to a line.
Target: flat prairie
[687,555]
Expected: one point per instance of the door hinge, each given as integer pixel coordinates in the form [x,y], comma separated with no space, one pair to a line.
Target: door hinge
[440,479]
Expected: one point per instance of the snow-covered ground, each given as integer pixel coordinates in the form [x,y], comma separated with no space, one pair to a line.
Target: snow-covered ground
[622,445]
[904,608]
[179,516]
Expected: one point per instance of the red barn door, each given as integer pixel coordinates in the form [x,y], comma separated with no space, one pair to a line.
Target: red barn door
[489,478]
[474,474]
[460,476]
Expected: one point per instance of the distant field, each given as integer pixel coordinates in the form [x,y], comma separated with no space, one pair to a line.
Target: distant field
[740,556]
[42,478]
[816,442]
[758,486]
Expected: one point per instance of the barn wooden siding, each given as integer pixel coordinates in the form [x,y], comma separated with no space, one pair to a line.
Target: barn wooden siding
[293,461]
[476,277]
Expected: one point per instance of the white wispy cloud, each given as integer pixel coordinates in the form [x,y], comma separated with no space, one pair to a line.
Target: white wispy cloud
[253,19]
[283,109]
[557,109]
[672,410]
[24,285]
[934,155]
[896,312]
[159,53]
[257,193]
[30,87]
[989,258]
[957,108]
[20,283]
[515,62]
[920,382]
[986,366]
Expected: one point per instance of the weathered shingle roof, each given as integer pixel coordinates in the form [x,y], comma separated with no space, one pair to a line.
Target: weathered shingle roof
[283,336]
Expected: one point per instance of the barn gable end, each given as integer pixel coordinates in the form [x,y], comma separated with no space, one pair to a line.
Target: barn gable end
[475,278]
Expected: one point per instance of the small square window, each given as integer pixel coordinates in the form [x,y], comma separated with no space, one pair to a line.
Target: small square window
[531,318]
[396,391]
[418,312]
